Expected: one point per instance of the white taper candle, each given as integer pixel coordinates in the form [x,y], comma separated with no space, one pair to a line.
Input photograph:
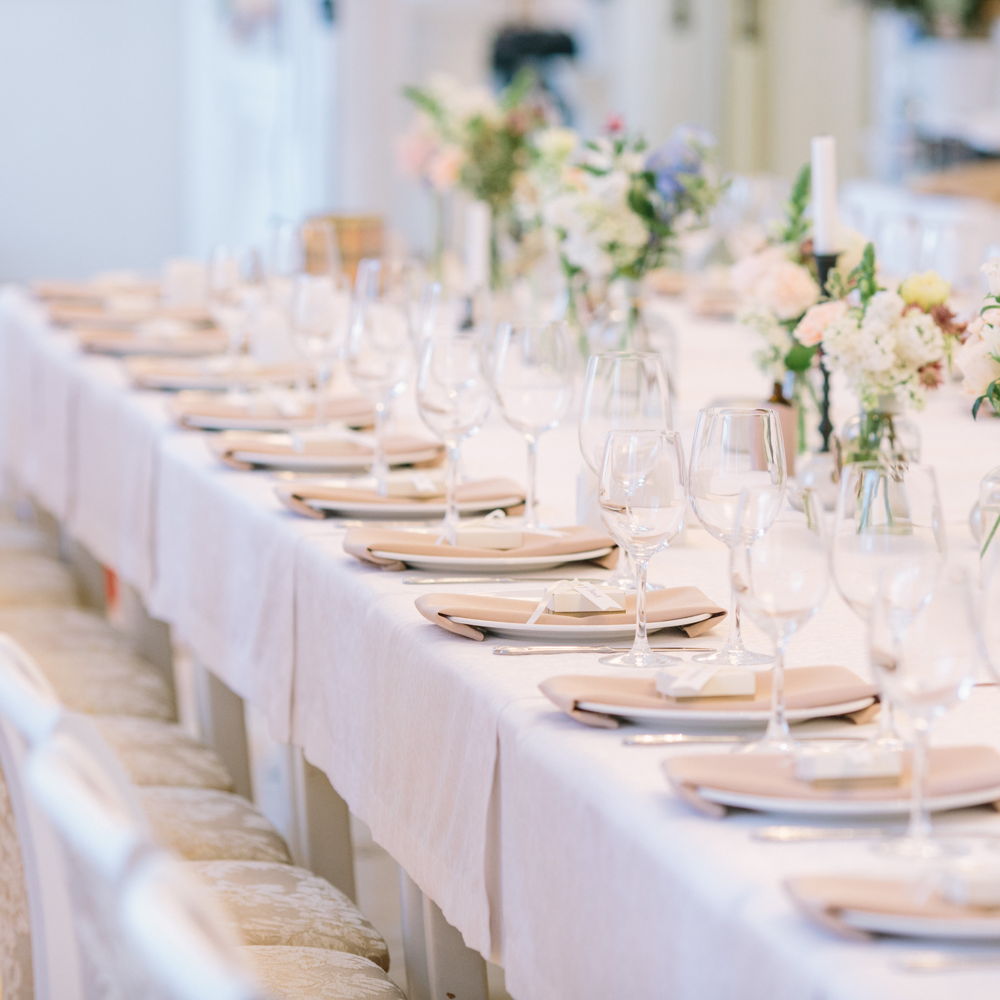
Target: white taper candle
[824,194]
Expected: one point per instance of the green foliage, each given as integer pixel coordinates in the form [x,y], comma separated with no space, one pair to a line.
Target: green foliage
[863,276]
[800,358]
[991,396]
[796,225]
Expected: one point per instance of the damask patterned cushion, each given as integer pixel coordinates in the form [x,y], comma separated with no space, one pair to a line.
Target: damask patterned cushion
[27,578]
[318,974]
[109,682]
[202,824]
[15,928]
[60,629]
[160,753]
[285,905]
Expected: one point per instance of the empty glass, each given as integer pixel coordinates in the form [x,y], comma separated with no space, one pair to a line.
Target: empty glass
[735,450]
[621,391]
[780,572]
[379,355]
[318,316]
[887,522]
[531,374]
[453,400]
[642,500]
[927,650]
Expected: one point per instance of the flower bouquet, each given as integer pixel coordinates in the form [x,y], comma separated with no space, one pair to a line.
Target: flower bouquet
[892,345]
[464,137]
[616,208]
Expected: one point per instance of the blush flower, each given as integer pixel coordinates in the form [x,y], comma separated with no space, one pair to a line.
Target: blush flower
[813,326]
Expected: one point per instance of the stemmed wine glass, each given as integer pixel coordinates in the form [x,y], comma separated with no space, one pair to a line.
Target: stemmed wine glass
[621,391]
[531,374]
[780,572]
[888,522]
[734,450]
[642,500]
[927,650]
[452,399]
[318,316]
[379,355]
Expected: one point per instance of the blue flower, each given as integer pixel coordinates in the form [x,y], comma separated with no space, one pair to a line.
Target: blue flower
[682,155]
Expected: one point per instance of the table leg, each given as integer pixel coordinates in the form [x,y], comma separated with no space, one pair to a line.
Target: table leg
[439,964]
[221,724]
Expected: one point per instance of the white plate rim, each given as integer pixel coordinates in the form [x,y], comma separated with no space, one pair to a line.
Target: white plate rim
[901,925]
[489,565]
[351,508]
[569,630]
[829,807]
[708,715]
[331,462]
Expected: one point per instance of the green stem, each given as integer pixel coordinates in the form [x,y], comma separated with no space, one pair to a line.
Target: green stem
[989,537]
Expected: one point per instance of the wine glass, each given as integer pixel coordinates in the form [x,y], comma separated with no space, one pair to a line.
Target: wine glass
[318,317]
[734,450]
[642,500]
[927,649]
[379,355]
[780,573]
[888,521]
[224,284]
[621,391]
[531,374]
[452,399]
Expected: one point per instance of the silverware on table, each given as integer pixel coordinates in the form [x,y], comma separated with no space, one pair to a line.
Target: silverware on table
[946,961]
[670,739]
[447,580]
[549,650]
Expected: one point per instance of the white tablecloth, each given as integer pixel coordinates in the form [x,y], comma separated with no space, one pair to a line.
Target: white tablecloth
[549,845]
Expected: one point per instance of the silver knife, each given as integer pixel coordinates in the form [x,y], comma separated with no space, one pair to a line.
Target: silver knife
[548,650]
[670,739]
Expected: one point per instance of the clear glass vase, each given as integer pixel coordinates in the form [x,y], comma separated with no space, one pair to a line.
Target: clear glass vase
[985,517]
[882,432]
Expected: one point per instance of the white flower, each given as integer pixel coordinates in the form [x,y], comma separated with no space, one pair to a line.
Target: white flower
[788,289]
[556,145]
[978,365]
[992,271]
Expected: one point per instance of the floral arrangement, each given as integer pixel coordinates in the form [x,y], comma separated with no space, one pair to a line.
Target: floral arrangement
[979,357]
[466,137]
[946,18]
[890,344]
[616,207]
[779,283]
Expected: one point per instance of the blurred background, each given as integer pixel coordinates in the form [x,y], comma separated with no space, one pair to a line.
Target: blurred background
[136,130]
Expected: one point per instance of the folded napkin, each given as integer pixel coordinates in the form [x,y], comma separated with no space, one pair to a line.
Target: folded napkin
[227,444]
[186,341]
[362,543]
[157,372]
[271,409]
[805,687]
[121,318]
[951,771]
[824,898]
[92,292]
[298,496]
[661,605]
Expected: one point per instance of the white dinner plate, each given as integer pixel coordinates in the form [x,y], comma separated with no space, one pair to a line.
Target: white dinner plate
[209,380]
[405,509]
[577,633]
[261,422]
[679,716]
[834,807]
[493,564]
[960,928]
[331,463]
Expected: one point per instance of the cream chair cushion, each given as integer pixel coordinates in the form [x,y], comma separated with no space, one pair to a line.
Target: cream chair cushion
[60,629]
[285,905]
[27,578]
[19,536]
[202,824]
[15,929]
[160,753]
[318,974]
[109,682]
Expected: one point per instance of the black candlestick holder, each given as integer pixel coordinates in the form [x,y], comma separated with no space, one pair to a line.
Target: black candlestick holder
[825,263]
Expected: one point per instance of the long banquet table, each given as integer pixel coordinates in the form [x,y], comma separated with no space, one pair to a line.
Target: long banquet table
[552,848]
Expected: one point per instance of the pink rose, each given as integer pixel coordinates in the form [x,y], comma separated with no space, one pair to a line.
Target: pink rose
[414,149]
[750,270]
[788,290]
[444,168]
[813,326]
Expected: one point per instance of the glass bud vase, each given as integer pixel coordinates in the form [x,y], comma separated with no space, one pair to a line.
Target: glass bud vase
[985,517]
[882,432]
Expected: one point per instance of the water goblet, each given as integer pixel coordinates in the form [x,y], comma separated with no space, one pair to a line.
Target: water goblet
[642,499]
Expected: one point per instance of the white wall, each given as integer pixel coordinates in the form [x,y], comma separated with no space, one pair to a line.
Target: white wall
[90,135]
